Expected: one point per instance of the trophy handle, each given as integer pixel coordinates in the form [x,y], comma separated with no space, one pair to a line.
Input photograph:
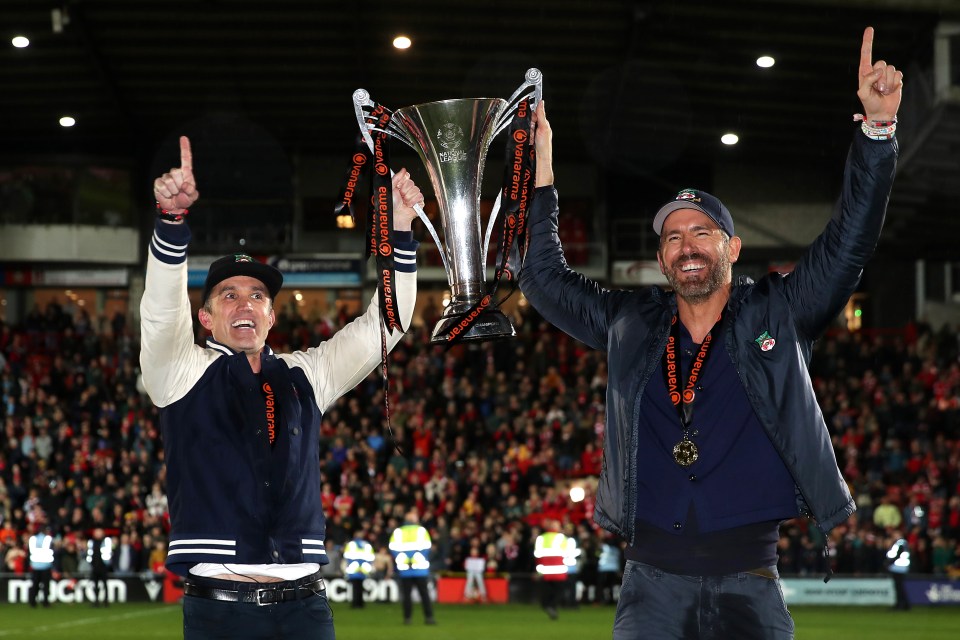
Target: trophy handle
[532,79]
[361,99]
[489,231]
[368,122]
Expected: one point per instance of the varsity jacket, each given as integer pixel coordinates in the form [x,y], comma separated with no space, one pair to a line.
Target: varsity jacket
[793,310]
[232,497]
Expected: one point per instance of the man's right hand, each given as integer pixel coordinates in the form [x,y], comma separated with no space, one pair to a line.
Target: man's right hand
[543,141]
[176,190]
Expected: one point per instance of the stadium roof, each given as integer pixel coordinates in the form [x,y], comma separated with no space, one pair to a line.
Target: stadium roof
[632,86]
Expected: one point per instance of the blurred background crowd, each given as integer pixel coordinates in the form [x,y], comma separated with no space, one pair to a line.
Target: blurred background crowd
[489,442]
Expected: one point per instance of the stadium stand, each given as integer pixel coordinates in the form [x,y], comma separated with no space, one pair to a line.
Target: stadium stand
[489,438]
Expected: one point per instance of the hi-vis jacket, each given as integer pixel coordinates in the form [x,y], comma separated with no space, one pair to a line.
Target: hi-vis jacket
[358,557]
[794,309]
[555,554]
[106,550]
[898,557]
[41,551]
[233,498]
[410,545]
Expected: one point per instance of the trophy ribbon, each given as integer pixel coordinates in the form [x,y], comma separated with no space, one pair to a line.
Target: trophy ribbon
[381,229]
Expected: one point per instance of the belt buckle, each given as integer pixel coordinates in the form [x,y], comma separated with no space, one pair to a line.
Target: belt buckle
[260,592]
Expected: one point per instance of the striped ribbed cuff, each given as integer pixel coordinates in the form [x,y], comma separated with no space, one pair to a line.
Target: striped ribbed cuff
[169,242]
[405,251]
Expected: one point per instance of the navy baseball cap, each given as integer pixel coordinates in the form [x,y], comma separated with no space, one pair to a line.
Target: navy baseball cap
[701,201]
[240,264]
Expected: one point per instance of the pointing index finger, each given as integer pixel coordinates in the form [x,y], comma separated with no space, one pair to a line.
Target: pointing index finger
[186,156]
[866,52]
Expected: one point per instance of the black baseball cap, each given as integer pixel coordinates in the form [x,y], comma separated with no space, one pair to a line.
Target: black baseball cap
[701,201]
[240,264]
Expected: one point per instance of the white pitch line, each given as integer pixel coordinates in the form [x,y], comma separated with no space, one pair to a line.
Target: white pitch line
[83,621]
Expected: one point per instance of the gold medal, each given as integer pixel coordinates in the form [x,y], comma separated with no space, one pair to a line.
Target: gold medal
[685,452]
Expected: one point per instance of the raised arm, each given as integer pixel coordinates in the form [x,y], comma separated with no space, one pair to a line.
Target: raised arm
[337,365]
[169,359]
[830,270]
[568,300]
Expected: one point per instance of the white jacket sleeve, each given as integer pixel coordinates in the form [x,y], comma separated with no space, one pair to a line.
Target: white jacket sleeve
[337,365]
[170,361]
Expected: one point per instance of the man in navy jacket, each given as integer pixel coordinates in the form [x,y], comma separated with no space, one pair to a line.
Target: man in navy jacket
[714,435]
[241,425]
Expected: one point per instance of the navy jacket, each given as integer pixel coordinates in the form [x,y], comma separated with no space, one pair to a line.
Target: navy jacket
[633,327]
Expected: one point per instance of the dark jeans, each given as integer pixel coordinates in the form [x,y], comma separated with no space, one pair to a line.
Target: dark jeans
[306,619]
[901,592]
[356,588]
[99,578]
[407,585]
[551,592]
[40,583]
[656,605]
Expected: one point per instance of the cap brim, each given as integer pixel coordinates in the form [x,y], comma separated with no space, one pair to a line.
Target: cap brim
[271,278]
[669,208]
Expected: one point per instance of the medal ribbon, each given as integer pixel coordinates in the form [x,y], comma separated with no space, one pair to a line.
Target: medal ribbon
[380,228]
[683,399]
[357,168]
[515,195]
[379,235]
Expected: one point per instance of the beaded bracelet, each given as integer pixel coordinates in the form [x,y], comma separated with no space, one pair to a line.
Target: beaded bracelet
[883,132]
[877,129]
[170,216]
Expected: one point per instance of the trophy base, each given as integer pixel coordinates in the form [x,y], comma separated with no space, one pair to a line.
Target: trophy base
[491,325]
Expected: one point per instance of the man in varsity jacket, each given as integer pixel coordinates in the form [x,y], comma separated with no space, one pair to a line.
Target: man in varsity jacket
[241,425]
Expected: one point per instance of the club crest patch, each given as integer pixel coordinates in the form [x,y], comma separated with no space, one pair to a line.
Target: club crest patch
[688,194]
[765,341]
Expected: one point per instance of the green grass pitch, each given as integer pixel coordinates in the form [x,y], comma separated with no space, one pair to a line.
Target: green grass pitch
[461,622]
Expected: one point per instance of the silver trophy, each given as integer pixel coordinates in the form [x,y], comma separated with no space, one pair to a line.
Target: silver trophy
[452,138]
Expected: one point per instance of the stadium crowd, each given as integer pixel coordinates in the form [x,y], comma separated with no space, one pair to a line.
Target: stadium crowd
[486,441]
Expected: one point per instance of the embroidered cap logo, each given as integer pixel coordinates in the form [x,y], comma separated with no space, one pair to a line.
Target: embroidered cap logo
[688,194]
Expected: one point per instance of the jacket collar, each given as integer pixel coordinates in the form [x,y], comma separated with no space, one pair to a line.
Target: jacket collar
[741,287]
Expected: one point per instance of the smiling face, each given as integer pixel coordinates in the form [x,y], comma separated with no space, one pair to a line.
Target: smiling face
[239,314]
[695,255]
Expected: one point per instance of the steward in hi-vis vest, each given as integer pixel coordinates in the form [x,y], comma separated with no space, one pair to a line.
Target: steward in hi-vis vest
[410,545]
[550,551]
[358,557]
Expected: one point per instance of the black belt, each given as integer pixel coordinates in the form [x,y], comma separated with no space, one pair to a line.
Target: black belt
[274,593]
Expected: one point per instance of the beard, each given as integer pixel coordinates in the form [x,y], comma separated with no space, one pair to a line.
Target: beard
[713,279]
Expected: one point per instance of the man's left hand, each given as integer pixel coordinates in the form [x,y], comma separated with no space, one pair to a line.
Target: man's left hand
[406,194]
[881,84]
